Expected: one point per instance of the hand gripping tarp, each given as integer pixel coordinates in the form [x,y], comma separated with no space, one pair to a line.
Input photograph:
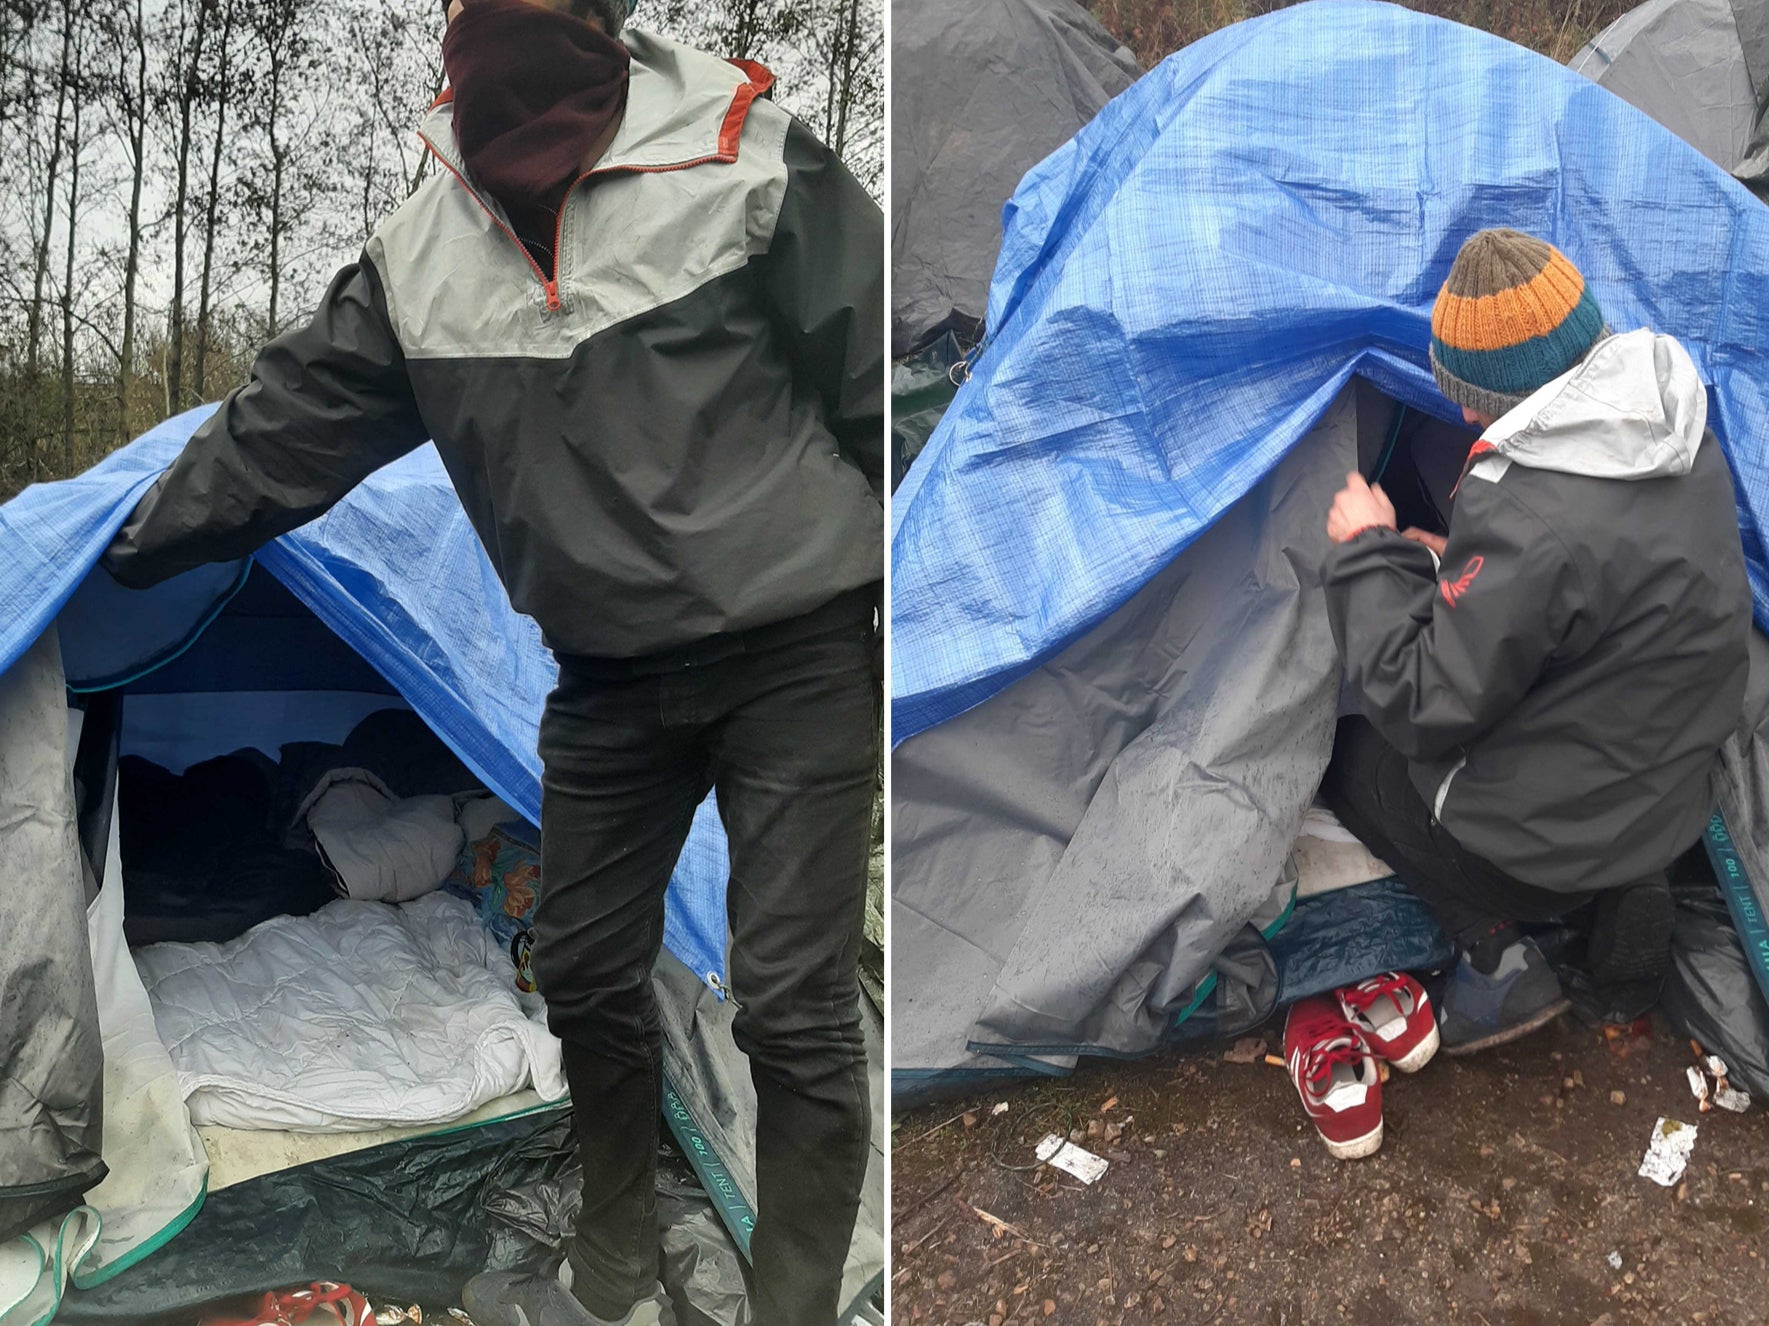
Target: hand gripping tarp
[1185,286]
[395,571]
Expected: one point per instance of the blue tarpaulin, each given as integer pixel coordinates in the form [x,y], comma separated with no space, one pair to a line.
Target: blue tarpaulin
[1184,288]
[396,571]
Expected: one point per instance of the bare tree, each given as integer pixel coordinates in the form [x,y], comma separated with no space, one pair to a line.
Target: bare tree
[221,94]
[847,37]
[77,91]
[283,33]
[40,263]
[186,72]
[740,29]
[401,53]
[125,31]
[17,18]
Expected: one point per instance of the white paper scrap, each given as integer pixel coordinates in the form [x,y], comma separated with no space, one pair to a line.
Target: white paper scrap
[1000,1108]
[1698,1085]
[1669,1152]
[1071,1159]
[1731,1098]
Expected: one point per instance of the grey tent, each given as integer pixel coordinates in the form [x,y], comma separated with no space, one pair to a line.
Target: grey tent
[980,92]
[1698,67]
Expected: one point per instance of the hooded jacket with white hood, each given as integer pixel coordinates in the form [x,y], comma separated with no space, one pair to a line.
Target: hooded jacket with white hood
[1562,681]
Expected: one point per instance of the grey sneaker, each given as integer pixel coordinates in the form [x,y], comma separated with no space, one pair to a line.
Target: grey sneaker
[511,1298]
[1479,1009]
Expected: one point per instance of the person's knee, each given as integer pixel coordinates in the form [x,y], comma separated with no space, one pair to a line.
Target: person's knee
[806,1038]
[608,1006]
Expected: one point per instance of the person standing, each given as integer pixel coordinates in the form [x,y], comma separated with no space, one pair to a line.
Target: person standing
[640,312]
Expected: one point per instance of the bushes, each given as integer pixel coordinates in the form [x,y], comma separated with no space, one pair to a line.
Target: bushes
[1556,28]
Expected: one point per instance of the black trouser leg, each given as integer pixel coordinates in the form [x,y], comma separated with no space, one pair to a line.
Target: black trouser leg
[619,792]
[794,763]
[790,734]
[1368,788]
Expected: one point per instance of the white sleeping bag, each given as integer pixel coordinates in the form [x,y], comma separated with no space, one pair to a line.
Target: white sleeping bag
[363,1015]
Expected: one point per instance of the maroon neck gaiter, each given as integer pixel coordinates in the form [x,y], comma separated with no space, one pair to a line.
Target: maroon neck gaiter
[534,91]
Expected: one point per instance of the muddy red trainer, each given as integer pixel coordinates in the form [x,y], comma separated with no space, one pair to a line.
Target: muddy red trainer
[1394,1014]
[1336,1076]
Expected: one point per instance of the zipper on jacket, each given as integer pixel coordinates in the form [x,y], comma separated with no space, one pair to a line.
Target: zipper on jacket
[551,284]
[559,239]
[548,284]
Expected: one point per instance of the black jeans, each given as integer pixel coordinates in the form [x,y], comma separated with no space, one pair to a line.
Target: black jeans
[783,724]
[1368,788]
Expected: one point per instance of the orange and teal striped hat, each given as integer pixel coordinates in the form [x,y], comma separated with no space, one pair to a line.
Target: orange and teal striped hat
[1515,314]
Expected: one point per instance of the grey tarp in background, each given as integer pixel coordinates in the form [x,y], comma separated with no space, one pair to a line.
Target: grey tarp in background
[1071,855]
[51,1055]
[981,92]
[922,387]
[1698,67]
[1752,18]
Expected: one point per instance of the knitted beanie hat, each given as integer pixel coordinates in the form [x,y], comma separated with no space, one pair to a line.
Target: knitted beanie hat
[1515,314]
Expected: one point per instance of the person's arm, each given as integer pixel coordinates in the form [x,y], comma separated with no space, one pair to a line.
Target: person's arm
[327,405]
[823,275]
[1437,654]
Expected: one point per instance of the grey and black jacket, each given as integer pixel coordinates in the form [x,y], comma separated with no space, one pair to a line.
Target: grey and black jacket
[677,433]
[1562,683]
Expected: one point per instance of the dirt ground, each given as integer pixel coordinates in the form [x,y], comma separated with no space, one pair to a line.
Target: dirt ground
[1505,1193]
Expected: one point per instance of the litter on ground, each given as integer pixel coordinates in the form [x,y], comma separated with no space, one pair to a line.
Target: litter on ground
[1063,1154]
[1668,1154]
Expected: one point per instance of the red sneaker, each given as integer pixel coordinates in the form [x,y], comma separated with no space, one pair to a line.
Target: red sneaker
[1336,1076]
[1394,1014]
[321,1304]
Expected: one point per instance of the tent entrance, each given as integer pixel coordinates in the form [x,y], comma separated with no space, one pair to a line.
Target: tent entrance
[392,613]
[192,746]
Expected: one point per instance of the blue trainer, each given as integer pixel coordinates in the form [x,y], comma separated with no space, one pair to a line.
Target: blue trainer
[1480,1009]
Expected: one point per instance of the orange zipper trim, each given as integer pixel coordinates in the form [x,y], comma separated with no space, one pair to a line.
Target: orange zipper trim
[730,135]
[551,286]
[559,237]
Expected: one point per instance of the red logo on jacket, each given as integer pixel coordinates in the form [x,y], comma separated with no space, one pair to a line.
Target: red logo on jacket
[1454,589]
